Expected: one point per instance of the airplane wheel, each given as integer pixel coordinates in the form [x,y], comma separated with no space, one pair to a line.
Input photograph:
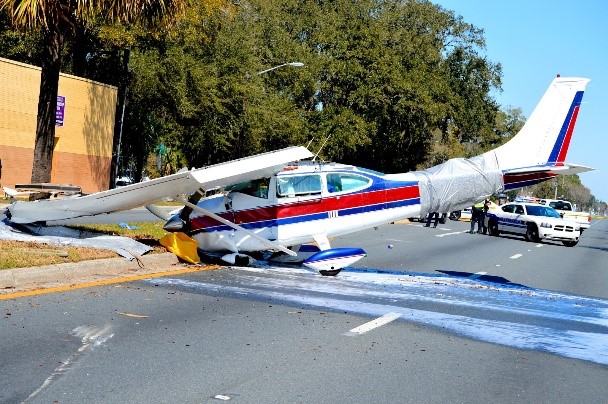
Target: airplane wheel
[332,272]
[241,261]
[532,233]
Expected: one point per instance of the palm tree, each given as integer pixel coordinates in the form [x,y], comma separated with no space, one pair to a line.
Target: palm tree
[58,19]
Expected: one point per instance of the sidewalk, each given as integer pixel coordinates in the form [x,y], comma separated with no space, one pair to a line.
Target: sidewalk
[13,281]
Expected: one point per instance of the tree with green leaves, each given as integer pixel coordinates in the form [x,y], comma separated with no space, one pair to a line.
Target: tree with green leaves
[389,78]
[209,102]
[57,20]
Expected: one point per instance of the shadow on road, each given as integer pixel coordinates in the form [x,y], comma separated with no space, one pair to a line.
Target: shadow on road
[486,278]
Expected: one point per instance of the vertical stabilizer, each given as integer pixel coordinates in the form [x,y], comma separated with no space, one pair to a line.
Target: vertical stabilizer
[545,137]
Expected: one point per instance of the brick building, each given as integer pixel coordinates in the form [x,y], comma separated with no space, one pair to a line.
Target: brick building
[83,131]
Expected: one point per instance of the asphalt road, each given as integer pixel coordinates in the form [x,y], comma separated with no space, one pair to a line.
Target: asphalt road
[429,316]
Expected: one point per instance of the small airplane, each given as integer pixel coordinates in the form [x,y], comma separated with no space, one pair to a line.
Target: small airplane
[286,200]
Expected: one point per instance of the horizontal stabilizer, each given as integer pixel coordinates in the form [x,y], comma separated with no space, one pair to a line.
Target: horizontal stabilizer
[562,169]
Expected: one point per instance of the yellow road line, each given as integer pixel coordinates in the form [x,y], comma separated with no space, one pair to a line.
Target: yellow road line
[104,282]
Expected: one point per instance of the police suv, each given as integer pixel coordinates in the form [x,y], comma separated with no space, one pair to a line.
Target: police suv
[533,221]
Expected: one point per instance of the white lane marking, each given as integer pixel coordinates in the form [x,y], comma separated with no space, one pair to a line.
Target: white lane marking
[516,256]
[90,336]
[450,234]
[477,275]
[370,325]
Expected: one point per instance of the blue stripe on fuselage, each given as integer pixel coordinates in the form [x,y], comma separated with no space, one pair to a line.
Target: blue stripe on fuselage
[378,184]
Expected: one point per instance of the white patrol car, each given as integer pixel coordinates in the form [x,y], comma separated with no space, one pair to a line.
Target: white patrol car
[534,221]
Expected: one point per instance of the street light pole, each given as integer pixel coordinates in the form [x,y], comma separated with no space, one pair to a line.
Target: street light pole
[293,64]
[117,144]
[244,101]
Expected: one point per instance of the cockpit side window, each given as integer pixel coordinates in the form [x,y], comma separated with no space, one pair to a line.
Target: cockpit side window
[257,188]
[291,186]
[338,182]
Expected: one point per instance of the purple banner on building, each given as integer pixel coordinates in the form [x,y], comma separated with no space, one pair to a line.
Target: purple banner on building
[60,110]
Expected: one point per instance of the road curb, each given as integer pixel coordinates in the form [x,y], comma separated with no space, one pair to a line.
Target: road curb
[49,276]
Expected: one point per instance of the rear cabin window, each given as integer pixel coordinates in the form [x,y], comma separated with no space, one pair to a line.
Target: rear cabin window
[300,185]
[339,182]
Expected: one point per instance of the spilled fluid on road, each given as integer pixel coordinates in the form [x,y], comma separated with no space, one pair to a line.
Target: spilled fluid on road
[485,310]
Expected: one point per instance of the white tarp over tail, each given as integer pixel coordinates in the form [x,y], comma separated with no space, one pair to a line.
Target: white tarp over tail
[458,183]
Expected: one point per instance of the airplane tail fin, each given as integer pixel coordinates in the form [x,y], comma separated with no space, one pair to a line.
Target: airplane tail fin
[538,151]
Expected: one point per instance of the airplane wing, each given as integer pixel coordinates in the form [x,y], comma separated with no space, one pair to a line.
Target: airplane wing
[171,186]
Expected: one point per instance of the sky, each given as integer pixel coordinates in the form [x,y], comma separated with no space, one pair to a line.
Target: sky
[534,40]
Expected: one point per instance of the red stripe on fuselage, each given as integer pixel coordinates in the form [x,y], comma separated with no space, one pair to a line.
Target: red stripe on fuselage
[341,202]
[311,206]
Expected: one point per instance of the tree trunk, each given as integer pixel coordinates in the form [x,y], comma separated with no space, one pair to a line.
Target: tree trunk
[47,105]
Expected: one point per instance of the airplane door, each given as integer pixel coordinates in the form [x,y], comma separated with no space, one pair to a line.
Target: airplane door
[299,212]
[345,204]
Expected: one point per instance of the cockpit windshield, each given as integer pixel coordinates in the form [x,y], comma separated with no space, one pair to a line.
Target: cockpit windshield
[257,188]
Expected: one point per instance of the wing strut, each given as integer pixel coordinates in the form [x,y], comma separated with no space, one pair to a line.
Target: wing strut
[235,226]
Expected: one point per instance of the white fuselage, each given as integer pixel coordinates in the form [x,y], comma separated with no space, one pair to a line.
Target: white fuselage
[304,203]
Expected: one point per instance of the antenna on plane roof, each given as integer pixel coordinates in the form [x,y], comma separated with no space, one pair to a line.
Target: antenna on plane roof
[320,148]
[309,142]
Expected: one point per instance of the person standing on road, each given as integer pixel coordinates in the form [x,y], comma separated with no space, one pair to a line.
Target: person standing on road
[484,213]
[478,215]
[433,216]
[474,219]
